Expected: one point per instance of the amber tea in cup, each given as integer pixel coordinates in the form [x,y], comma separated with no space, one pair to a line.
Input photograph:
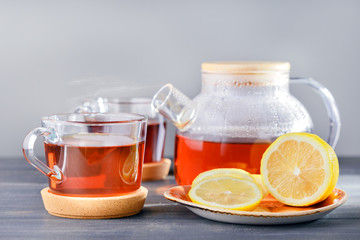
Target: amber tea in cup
[91,155]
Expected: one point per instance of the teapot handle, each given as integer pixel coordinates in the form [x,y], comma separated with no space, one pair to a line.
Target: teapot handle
[330,104]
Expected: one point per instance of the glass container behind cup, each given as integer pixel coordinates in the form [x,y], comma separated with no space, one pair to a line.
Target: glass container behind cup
[90,154]
[156,127]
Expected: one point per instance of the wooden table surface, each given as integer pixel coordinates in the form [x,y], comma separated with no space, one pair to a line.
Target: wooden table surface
[22,214]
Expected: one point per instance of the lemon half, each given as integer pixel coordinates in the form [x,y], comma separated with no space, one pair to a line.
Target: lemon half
[299,169]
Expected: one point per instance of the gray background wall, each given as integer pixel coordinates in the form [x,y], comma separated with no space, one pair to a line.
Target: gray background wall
[53,53]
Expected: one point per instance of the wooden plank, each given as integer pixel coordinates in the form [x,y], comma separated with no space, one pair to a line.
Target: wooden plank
[23,215]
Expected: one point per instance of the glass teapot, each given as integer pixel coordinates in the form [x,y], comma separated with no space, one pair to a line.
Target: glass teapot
[241,109]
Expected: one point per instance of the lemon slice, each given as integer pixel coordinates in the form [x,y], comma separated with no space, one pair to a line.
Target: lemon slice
[299,169]
[227,192]
[223,172]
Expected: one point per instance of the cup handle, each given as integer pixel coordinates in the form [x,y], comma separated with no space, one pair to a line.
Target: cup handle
[330,104]
[28,150]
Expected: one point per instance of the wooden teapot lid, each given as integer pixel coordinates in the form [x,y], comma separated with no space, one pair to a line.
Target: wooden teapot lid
[244,66]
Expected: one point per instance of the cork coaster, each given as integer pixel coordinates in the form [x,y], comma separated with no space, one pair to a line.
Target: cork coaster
[94,207]
[157,170]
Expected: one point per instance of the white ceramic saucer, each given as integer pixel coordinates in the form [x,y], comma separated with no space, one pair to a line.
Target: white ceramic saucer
[269,212]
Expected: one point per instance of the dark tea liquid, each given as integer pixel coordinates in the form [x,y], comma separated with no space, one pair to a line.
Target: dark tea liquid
[193,157]
[90,169]
[155,139]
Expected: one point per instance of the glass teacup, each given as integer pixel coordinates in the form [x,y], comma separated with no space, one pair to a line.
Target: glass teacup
[90,154]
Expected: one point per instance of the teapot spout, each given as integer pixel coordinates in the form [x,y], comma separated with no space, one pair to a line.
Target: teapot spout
[175,106]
